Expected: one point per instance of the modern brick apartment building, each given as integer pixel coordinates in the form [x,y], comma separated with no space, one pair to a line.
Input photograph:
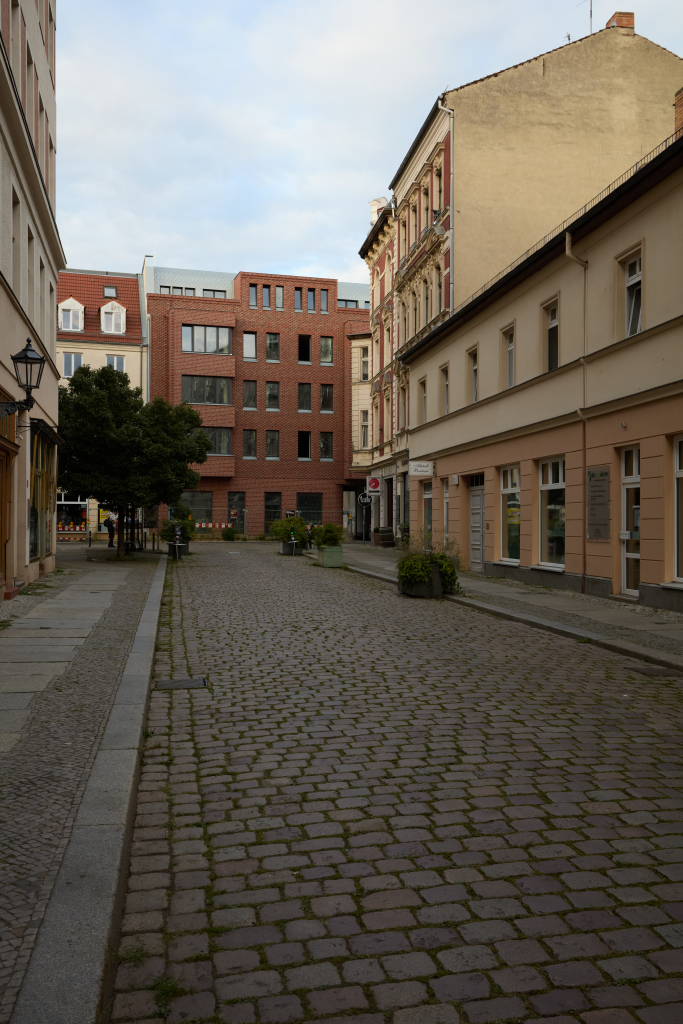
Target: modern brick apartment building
[101,321]
[265,358]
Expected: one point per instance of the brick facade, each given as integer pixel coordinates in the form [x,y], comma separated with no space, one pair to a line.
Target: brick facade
[288,476]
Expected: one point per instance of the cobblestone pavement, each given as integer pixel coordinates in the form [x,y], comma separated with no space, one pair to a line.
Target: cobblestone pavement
[655,628]
[391,811]
[43,776]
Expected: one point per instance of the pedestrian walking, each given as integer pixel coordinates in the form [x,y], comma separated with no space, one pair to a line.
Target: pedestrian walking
[111,530]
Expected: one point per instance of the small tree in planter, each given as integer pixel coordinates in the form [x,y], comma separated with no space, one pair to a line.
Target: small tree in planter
[328,539]
[426,574]
[282,530]
[182,517]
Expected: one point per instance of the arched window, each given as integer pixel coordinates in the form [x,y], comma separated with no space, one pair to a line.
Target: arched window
[71,315]
[113,318]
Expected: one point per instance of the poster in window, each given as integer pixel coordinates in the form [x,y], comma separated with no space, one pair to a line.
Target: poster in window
[597,503]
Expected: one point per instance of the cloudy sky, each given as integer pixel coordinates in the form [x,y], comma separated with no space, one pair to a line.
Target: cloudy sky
[251,134]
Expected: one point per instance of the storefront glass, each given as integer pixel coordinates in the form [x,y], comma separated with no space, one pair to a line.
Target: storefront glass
[43,490]
[552,511]
[510,513]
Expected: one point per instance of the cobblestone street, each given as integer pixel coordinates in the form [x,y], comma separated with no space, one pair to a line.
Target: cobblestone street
[392,811]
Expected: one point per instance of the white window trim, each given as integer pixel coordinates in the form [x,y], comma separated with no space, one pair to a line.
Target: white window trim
[74,307]
[554,566]
[628,482]
[509,490]
[630,282]
[113,307]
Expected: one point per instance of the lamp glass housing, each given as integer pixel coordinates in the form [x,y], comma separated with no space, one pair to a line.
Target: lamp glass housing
[28,367]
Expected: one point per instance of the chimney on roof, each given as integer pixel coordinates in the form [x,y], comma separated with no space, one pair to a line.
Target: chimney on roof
[376,205]
[678,114]
[622,19]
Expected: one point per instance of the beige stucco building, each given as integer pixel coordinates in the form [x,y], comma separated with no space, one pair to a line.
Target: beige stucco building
[30,259]
[496,165]
[548,410]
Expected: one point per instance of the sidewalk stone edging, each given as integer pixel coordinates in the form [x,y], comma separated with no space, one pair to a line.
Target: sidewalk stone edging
[71,961]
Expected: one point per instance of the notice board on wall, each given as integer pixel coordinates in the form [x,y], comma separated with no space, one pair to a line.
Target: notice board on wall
[597,503]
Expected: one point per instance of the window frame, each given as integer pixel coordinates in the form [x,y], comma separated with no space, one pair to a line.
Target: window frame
[633,286]
[328,434]
[249,435]
[246,358]
[544,487]
[228,431]
[551,341]
[330,361]
[324,300]
[73,356]
[300,434]
[253,296]
[509,353]
[364,358]
[629,482]
[364,429]
[272,384]
[678,509]
[109,291]
[76,307]
[279,297]
[510,483]
[192,328]
[116,358]
[298,300]
[265,296]
[305,338]
[113,313]
[270,434]
[326,391]
[300,385]
[252,387]
[270,335]
[310,305]
[473,375]
[199,376]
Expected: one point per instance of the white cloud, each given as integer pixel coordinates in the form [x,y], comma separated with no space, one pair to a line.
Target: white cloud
[236,135]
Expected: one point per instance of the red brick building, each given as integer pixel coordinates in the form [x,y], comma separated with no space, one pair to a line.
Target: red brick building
[267,364]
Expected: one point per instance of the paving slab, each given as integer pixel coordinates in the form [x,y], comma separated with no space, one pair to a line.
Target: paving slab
[377,790]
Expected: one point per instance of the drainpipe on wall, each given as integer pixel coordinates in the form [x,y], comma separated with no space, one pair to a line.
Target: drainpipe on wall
[451,114]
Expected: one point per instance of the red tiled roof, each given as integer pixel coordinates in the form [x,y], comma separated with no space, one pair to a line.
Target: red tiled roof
[88,289]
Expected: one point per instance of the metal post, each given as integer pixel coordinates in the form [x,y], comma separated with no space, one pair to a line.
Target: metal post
[89,538]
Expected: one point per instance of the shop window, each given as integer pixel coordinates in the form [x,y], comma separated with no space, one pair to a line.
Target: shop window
[426,512]
[310,507]
[43,492]
[272,501]
[237,510]
[446,509]
[510,513]
[551,476]
[679,507]
[630,520]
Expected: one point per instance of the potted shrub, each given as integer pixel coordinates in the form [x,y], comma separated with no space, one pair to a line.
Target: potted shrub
[426,574]
[283,529]
[328,539]
[182,517]
[375,537]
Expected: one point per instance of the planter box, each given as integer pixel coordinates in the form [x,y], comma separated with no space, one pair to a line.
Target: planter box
[375,540]
[433,589]
[286,548]
[330,557]
[386,537]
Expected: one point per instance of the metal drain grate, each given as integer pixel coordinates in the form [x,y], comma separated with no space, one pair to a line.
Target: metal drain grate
[199,682]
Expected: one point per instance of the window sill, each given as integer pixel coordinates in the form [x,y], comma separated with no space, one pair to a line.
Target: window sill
[300,459]
[249,359]
[304,410]
[264,307]
[327,364]
[249,408]
[509,561]
[249,458]
[327,412]
[221,455]
[272,361]
[279,309]
[548,568]
[272,458]
[327,460]
[272,410]
[305,362]
[324,312]
[672,586]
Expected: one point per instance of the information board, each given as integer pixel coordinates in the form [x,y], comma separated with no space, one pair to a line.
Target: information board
[597,503]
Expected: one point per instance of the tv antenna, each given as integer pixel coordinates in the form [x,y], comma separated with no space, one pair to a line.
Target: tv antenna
[591,13]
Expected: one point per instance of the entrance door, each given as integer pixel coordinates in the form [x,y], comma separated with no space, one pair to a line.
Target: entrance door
[390,503]
[630,522]
[476,529]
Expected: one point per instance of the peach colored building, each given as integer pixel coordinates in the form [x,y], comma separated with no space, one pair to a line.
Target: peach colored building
[546,414]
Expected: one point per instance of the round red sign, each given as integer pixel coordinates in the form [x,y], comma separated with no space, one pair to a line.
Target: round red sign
[373,483]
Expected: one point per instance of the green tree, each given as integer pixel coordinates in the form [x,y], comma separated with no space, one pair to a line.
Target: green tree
[122,452]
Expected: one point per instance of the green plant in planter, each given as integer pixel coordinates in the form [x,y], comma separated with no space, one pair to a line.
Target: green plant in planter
[376,530]
[328,536]
[229,533]
[417,567]
[281,530]
[182,517]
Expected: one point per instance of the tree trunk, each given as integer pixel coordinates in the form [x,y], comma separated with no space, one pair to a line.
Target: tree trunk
[121,534]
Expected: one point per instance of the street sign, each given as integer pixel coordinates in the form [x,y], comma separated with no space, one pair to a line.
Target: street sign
[289,512]
[373,484]
[364,499]
[421,468]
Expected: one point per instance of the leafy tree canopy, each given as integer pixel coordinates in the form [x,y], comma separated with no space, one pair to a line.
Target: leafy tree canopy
[120,451]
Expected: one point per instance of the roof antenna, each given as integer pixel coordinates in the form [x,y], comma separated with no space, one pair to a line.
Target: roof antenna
[569,38]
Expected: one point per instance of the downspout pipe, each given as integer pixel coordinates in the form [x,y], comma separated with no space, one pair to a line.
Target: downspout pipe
[451,272]
[568,251]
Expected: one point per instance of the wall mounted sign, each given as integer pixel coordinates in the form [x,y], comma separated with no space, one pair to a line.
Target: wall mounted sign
[422,469]
[373,484]
[597,503]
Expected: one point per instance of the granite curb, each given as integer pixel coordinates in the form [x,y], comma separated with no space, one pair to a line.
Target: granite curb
[582,635]
[67,977]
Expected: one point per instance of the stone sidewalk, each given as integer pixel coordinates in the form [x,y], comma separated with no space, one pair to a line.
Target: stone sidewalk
[650,628]
[379,812]
[60,660]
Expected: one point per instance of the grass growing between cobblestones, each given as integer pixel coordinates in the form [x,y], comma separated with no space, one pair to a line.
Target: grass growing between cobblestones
[398,813]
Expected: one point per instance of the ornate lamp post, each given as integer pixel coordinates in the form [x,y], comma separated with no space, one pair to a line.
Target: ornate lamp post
[28,367]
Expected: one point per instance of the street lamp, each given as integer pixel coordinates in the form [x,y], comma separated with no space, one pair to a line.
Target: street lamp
[28,367]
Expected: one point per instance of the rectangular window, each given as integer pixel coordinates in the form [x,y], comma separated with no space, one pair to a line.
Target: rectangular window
[510,358]
[304,348]
[326,446]
[323,300]
[298,292]
[207,390]
[365,429]
[423,401]
[248,444]
[164,289]
[630,520]
[551,475]
[279,296]
[446,509]
[444,391]
[116,362]
[113,323]
[364,363]
[71,320]
[510,513]
[326,351]
[72,360]
[253,295]
[326,398]
[474,376]
[237,510]
[272,444]
[273,395]
[633,296]
[304,446]
[265,292]
[109,291]
[189,291]
[272,348]
[249,345]
[201,338]
[304,398]
[213,293]
[403,410]
[553,338]
[350,304]
[679,507]
[176,291]
[311,300]
[249,394]
[221,440]
[272,501]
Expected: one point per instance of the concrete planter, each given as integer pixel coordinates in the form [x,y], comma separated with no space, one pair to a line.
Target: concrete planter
[286,548]
[386,537]
[330,557]
[433,589]
[375,540]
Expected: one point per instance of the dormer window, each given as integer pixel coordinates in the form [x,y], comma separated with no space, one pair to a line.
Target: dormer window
[71,315]
[113,318]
